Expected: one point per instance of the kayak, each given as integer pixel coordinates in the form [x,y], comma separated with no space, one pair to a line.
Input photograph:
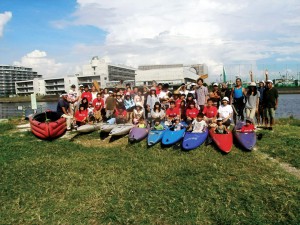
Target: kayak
[155,136]
[246,140]
[48,125]
[87,128]
[171,137]
[137,134]
[223,141]
[121,129]
[193,140]
[107,127]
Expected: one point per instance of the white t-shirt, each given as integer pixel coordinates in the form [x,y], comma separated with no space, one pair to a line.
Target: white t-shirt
[198,127]
[224,111]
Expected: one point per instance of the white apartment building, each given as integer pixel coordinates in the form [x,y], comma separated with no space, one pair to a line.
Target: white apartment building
[55,86]
[173,74]
[28,87]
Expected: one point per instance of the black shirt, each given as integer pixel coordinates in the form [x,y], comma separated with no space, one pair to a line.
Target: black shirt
[62,103]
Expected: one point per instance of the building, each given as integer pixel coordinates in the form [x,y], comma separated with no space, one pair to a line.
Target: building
[10,74]
[56,86]
[28,87]
[173,74]
[104,72]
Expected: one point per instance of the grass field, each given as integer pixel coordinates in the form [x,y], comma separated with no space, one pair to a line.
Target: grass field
[93,181]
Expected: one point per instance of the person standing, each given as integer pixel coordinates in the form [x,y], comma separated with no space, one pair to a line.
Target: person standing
[270,101]
[260,111]
[63,109]
[87,94]
[238,100]
[215,95]
[201,94]
[252,101]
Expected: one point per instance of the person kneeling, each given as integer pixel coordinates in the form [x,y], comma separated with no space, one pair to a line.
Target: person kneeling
[220,128]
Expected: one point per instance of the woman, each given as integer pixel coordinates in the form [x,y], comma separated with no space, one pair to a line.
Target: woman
[225,111]
[152,98]
[81,116]
[157,112]
[252,102]
[138,113]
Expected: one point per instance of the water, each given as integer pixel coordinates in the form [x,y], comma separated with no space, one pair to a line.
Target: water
[289,105]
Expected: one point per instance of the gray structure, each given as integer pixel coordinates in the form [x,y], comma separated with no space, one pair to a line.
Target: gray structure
[10,74]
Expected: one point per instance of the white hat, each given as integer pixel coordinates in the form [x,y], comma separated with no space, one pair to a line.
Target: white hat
[81,85]
[215,84]
[219,119]
[225,99]
[252,84]
[110,92]
[193,84]
[262,81]
[269,81]
[138,104]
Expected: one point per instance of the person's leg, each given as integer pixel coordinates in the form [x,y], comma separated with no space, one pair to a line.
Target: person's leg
[248,112]
[252,113]
[272,116]
[68,121]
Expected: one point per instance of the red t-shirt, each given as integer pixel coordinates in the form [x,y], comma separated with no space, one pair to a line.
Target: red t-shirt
[178,103]
[192,113]
[98,104]
[87,95]
[81,116]
[246,128]
[124,113]
[210,112]
[173,112]
[157,91]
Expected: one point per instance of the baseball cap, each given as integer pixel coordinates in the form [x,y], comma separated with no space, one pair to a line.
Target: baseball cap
[225,99]
[81,85]
[252,84]
[269,81]
[215,84]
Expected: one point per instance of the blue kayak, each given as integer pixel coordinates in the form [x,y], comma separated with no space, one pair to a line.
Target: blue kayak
[171,136]
[155,136]
[193,140]
[246,140]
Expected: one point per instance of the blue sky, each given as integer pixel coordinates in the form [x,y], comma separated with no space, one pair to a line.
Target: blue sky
[57,37]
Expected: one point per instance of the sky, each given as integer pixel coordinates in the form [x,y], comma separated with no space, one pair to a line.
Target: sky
[57,37]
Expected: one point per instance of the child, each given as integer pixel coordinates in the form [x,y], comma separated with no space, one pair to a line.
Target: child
[141,123]
[81,116]
[158,125]
[199,124]
[129,106]
[138,113]
[220,128]
[121,115]
[191,113]
[177,125]
[248,127]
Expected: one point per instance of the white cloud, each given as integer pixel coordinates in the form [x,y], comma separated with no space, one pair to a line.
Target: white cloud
[4,18]
[196,31]
[41,63]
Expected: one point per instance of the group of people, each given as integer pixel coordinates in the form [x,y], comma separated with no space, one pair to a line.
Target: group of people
[195,107]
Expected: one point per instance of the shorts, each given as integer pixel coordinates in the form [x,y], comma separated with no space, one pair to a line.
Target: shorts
[269,113]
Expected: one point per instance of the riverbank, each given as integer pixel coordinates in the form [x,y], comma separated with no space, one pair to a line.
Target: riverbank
[89,180]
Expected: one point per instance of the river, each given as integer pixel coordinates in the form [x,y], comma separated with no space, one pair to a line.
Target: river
[289,105]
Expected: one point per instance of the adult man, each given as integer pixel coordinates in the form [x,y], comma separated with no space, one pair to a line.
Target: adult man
[63,109]
[201,94]
[87,94]
[238,100]
[270,102]
[73,97]
[215,95]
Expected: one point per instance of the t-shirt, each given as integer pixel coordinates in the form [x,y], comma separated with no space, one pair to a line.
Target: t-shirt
[98,104]
[198,127]
[178,103]
[72,95]
[159,127]
[270,96]
[124,113]
[246,128]
[252,100]
[192,113]
[224,111]
[172,112]
[87,95]
[110,103]
[210,111]
[81,115]
[62,103]
[201,94]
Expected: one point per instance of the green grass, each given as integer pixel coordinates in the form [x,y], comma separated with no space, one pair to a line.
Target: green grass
[284,143]
[62,182]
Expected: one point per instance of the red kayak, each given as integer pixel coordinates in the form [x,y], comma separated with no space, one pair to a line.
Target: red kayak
[223,141]
[47,125]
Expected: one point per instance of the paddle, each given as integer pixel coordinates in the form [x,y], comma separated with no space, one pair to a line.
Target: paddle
[251,75]
[96,85]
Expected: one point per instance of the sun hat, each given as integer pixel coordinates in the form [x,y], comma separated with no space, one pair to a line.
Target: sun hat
[262,81]
[110,92]
[119,94]
[220,119]
[225,99]
[138,105]
[153,89]
[81,85]
[252,84]
[215,84]
[176,93]
[269,81]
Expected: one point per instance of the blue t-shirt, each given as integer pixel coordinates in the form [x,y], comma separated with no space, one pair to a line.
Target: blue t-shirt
[62,103]
[238,92]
